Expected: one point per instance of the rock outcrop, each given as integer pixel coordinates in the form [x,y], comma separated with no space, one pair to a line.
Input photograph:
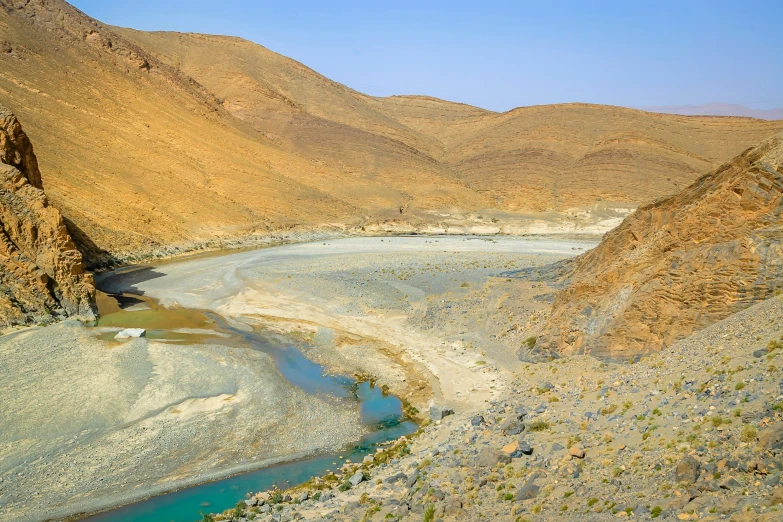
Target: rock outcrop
[42,275]
[679,264]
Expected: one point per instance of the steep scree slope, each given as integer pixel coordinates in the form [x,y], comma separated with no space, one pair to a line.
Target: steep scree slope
[679,264]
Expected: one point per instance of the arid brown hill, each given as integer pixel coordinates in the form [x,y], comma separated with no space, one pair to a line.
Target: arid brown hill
[679,264]
[153,139]
[41,272]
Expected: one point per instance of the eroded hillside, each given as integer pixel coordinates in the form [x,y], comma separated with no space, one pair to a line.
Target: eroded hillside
[679,264]
[154,139]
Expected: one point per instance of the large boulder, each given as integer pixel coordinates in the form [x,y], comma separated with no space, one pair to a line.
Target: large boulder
[687,470]
[489,457]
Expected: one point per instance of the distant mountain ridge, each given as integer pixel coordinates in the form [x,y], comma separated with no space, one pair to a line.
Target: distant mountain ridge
[153,139]
[718,109]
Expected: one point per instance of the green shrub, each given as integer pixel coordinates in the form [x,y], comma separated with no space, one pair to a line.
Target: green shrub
[429,513]
[240,508]
[655,512]
[609,409]
[538,426]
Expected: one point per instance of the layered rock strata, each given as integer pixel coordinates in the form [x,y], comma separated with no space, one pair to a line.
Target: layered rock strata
[678,264]
[42,276]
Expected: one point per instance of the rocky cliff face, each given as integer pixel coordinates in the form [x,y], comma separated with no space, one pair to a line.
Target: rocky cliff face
[42,275]
[679,264]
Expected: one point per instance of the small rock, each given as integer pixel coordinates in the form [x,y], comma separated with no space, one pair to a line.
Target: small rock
[478,420]
[453,506]
[131,332]
[528,490]
[776,497]
[730,483]
[511,449]
[395,478]
[577,452]
[356,479]
[512,426]
[438,412]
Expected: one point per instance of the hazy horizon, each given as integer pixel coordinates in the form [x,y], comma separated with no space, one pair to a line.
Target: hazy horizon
[506,55]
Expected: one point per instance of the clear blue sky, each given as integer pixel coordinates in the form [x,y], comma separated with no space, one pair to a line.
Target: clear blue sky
[500,55]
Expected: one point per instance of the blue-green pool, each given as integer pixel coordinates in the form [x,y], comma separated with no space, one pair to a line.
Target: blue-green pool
[381,413]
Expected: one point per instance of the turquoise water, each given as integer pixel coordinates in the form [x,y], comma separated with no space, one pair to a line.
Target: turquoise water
[381,413]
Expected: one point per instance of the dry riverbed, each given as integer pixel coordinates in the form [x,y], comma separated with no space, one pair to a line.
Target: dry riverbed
[88,422]
[430,317]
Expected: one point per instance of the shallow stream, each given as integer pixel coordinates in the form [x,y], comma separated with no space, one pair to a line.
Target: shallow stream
[381,413]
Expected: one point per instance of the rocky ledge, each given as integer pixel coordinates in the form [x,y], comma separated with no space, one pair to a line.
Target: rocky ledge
[42,276]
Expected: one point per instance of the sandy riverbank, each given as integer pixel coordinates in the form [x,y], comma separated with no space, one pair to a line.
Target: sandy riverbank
[87,424]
